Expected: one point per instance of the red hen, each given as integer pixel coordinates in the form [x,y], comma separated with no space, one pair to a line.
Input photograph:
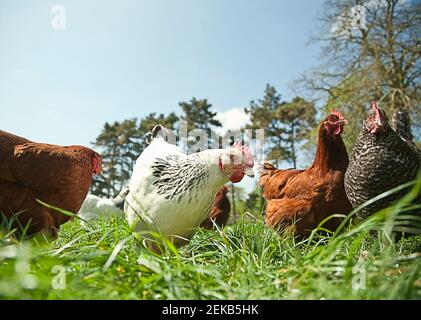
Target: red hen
[59,176]
[304,198]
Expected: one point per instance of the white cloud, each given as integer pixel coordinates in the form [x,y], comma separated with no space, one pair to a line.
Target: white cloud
[232,119]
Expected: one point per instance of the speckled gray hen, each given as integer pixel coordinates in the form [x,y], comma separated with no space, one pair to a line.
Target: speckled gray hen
[381,159]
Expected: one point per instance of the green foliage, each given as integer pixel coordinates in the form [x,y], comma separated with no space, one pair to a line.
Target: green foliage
[263,116]
[298,117]
[247,260]
[352,102]
[255,202]
[120,144]
[237,196]
[286,124]
[252,203]
[379,62]
[198,114]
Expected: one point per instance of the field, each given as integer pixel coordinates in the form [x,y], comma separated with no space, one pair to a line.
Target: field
[106,260]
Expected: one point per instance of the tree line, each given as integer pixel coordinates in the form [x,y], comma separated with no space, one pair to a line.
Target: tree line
[374,56]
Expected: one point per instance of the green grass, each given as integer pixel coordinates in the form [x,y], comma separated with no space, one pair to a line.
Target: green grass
[247,260]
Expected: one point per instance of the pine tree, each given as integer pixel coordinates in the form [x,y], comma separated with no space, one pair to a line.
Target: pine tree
[298,118]
[119,144]
[263,115]
[198,115]
[286,124]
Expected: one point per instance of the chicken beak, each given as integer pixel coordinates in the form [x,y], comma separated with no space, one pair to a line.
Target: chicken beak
[344,121]
[379,121]
[249,172]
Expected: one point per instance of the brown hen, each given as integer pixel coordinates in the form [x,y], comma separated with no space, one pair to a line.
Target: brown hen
[302,199]
[59,176]
[220,210]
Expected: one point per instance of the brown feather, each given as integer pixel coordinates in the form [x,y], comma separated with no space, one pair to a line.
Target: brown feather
[306,197]
[60,176]
[220,210]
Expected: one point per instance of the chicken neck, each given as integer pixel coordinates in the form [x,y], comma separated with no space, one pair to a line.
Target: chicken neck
[331,154]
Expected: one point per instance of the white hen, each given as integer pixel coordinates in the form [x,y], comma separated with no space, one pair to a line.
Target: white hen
[95,207]
[172,193]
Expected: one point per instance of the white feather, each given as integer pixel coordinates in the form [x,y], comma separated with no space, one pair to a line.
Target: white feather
[95,207]
[146,209]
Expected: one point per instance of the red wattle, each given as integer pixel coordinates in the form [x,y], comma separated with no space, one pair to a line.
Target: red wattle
[338,130]
[237,177]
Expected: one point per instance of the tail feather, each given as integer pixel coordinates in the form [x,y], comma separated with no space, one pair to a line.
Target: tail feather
[265,174]
[148,138]
[268,167]
[157,131]
[401,123]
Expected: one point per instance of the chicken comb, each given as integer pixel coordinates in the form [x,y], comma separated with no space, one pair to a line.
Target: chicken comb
[248,157]
[374,105]
[376,109]
[337,113]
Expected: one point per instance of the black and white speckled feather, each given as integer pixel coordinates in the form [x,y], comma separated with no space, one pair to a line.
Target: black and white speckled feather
[176,178]
[172,190]
[401,123]
[379,163]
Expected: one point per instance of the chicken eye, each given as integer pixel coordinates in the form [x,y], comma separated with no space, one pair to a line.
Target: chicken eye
[334,118]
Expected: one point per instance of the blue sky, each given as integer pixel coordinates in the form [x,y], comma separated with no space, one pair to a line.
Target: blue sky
[124,59]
